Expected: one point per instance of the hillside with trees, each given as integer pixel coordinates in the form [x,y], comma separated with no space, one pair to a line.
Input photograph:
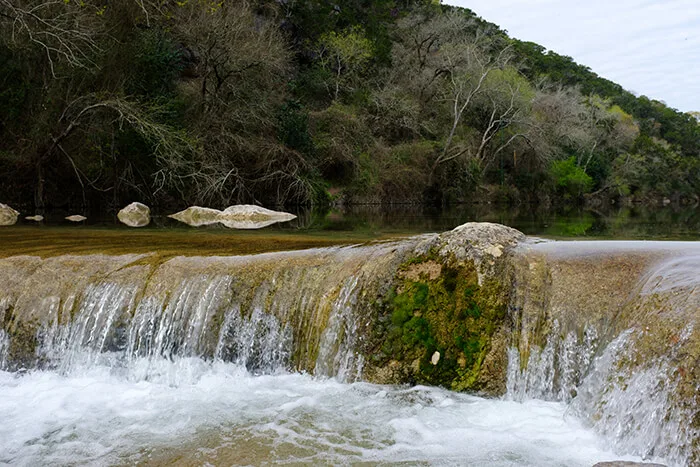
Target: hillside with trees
[306,102]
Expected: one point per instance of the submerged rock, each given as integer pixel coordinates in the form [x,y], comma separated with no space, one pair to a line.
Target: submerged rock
[36,218]
[8,216]
[76,218]
[242,216]
[135,215]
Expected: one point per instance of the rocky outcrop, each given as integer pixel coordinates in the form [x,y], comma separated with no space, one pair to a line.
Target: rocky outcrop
[135,215]
[8,216]
[243,216]
[444,320]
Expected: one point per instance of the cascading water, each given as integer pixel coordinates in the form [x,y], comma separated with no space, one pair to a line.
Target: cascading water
[623,365]
[134,359]
[283,311]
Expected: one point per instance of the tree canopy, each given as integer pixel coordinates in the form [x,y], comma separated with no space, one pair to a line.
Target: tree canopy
[288,101]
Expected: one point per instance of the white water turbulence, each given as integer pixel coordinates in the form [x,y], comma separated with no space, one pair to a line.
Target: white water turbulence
[194,412]
[623,363]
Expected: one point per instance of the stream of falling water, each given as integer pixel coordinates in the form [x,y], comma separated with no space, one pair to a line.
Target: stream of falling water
[250,361]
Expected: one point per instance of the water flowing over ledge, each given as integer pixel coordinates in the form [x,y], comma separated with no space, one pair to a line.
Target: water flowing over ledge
[608,328]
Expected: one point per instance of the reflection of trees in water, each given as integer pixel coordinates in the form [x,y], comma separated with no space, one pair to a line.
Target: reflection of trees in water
[613,222]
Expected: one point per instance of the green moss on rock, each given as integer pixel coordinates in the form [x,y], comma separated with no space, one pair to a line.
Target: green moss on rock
[437,324]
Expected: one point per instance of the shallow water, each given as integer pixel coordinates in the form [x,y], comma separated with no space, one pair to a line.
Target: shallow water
[191,412]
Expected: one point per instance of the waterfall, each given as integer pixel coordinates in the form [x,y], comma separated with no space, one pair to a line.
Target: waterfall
[615,336]
[298,311]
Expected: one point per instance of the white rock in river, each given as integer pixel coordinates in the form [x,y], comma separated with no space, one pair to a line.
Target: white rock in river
[8,216]
[250,212]
[242,216]
[135,215]
[197,215]
[36,218]
[76,218]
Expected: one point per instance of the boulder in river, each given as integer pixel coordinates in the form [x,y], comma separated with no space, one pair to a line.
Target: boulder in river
[242,216]
[197,216]
[37,218]
[135,215]
[76,218]
[8,216]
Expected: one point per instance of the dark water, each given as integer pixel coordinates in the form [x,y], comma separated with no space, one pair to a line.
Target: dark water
[371,221]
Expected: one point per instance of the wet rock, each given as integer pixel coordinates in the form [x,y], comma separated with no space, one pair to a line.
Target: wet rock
[8,216]
[135,215]
[36,218]
[242,216]
[444,322]
[76,218]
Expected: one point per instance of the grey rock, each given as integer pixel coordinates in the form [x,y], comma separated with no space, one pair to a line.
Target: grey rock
[135,215]
[8,216]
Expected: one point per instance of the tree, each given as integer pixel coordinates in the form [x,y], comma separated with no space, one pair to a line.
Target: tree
[345,54]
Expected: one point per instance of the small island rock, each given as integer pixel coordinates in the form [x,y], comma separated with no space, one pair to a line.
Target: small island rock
[242,216]
[76,218]
[36,218]
[197,216]
[135,215]
[8,216]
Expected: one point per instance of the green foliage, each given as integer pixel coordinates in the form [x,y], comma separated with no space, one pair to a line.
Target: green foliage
[280,102]
[569,178]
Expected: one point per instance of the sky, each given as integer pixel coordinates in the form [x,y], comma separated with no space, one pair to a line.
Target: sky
[650,47]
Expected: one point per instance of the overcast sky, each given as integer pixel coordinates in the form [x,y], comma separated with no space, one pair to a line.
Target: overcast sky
[650,47]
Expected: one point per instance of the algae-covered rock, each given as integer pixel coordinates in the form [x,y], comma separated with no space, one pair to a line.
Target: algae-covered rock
[444,320]
[135,215]
[8,216]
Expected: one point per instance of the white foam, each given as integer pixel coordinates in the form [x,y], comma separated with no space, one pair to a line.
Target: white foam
[102,415]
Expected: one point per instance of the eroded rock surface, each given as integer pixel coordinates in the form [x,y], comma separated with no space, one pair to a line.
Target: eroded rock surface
[8,216]
[135,215]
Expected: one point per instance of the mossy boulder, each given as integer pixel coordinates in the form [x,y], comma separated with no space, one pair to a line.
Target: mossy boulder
[444,320]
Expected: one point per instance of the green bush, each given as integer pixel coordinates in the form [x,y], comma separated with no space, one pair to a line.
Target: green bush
[569,178]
